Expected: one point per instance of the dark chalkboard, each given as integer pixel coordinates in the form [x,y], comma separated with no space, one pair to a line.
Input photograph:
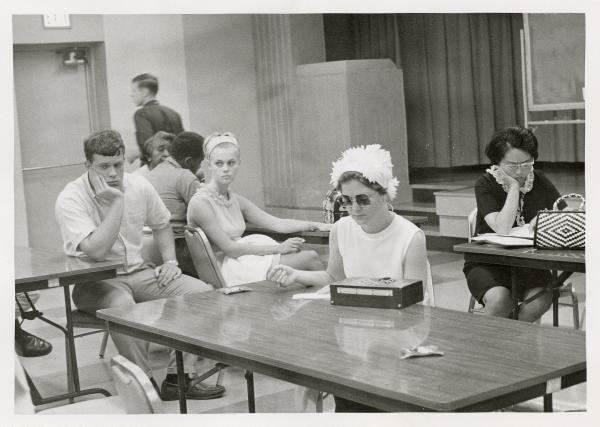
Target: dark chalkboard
[555,60]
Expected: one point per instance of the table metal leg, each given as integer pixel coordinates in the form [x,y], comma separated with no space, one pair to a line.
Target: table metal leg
[514,294]
[72,355]
[548,403]
[70,387]
[74,389]
[319,402]
[555,294]
[181,382]
[250,385]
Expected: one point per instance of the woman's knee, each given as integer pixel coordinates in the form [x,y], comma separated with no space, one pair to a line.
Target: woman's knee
[313,260]
[303,260]
[543,298]
[498,300]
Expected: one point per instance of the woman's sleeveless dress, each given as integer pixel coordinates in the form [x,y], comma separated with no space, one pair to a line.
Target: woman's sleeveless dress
[246,268]
[380,254]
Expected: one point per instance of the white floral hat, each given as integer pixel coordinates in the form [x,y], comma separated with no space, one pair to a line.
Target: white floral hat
[372,161]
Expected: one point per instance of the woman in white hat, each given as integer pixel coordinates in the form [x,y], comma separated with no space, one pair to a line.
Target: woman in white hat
[222,215]
[372,241]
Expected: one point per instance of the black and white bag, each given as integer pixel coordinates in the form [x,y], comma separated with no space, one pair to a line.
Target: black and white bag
[560,229]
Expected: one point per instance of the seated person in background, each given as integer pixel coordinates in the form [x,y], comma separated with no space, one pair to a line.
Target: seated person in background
[510,194]
[155,151]
[176,183]
[222,215]
[101,215]
[373,241]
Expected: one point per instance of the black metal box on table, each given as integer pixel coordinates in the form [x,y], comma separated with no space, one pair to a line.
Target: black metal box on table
[376,293]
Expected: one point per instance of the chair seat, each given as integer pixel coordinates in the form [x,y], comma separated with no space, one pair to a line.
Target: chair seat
[104,405]
[81,319]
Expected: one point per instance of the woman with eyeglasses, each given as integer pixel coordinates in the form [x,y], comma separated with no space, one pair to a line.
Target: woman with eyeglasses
[510,194]
[373,241]
[222,215]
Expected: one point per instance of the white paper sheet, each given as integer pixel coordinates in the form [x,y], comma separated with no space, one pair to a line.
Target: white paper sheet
[503,240]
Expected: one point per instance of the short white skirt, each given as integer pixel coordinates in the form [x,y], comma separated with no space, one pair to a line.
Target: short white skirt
[249,268]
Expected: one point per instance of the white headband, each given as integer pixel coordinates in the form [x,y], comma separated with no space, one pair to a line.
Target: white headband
[217,138]
[372,161]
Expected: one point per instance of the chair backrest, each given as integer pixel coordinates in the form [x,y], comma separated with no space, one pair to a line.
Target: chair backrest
[203,257]
[134,387]
[472,223]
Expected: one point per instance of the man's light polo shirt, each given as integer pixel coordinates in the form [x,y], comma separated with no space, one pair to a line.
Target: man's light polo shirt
[175,186]
[78,213]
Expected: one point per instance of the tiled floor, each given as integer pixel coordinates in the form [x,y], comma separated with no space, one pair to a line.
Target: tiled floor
[271,395]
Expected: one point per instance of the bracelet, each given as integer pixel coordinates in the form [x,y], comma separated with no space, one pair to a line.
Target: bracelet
[172,261]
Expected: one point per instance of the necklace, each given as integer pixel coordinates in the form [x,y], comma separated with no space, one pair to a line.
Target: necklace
[520,219]
[223,199]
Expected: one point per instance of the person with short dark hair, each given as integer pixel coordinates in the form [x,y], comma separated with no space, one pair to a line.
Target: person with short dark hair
[508,195]
[176,182]
[152,116]
[101,216]
[156,150]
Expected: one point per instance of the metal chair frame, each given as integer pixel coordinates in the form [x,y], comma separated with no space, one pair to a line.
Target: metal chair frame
[208,270]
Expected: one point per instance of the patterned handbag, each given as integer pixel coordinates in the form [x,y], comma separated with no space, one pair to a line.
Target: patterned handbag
[556,229]
[332,207]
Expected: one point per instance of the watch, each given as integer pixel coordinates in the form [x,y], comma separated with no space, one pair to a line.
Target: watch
[172,261]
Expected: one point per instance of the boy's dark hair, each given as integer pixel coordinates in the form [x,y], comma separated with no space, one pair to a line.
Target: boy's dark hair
[511,137]
[187,144]
[147,81]
[105,143]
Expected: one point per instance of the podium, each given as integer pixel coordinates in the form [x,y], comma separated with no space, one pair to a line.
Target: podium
[342,104]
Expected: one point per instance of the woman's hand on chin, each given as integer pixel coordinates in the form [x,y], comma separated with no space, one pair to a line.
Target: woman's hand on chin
[509,180]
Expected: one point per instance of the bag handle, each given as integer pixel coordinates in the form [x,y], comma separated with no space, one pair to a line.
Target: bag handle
[570,196]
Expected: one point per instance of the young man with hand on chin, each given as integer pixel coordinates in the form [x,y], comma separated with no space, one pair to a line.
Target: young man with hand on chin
[101,215]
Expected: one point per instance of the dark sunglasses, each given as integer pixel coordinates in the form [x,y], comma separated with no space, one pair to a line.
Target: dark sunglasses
[361,200]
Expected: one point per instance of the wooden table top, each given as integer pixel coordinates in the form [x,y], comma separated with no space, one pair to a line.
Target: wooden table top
[37,265]
[563,259]
[355,352]
[415,219]
[319,237]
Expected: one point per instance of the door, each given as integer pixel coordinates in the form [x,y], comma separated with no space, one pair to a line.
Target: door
[55,113]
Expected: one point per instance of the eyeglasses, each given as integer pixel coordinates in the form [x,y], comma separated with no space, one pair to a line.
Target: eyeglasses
[515,166]
[361,200]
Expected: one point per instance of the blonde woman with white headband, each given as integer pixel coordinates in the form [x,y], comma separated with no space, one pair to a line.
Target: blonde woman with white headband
[222,215]
[372,241]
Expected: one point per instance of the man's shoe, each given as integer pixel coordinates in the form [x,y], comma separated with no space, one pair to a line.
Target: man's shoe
[28,345]
[195,390]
